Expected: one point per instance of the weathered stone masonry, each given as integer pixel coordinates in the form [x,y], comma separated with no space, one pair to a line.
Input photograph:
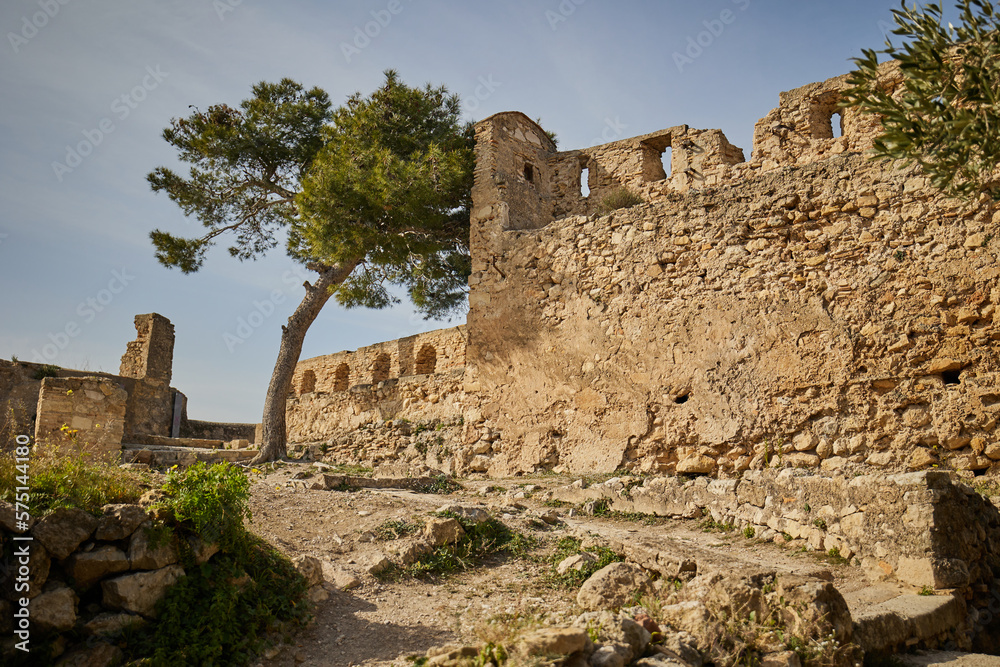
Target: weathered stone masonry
[810,307]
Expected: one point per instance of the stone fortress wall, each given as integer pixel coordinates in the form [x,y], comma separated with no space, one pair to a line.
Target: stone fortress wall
[417,377]
[809,307]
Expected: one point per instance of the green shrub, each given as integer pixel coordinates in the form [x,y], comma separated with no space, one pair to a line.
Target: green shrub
[46,371]
[69,480]
[210,501]
[570,546]
[618,198]
[220,612]
[480,541]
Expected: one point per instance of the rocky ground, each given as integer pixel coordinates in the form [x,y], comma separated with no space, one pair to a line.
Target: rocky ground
[366,619]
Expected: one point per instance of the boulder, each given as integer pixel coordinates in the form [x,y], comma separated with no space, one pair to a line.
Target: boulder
[54,611]
[62,531]
[139,592]
[440,532]
[147,551]
[614,586]
[87,567]
[311,568]
[119,522]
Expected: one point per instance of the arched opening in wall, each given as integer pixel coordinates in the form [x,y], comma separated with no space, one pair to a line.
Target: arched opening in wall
[426,360]
[380,368]
[837,125]
[341,377]
[585,182]
[308,383]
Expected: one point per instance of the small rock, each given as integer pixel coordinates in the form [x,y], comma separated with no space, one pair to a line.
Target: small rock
[697,464]
[614,586]
[440,532]
[309,567]
[473,514]
[377,563]
[577,562]
[781,659]
[555,641]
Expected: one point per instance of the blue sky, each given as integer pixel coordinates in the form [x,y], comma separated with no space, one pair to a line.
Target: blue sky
[89,86]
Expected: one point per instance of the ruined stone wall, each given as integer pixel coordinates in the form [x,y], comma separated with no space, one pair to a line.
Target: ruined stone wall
[839,312]
[440,351]
[81,414]
[922,528]
[151,355]
[193,428]
[321,416]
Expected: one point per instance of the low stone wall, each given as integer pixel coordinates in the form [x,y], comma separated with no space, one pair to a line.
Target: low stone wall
[193,428]
[320,416]
[87,414]
[923,528]
[73,557]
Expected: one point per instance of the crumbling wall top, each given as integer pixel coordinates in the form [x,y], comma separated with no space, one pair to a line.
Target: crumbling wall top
[150,356]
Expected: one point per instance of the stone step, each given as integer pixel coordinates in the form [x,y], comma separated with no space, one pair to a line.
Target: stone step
[949,659]
[162,441]
[886,616]
[903,620]
[161,456]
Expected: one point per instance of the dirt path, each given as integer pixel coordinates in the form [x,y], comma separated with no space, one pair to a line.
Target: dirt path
[382,622]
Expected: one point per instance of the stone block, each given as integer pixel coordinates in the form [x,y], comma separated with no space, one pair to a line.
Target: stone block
[138,593]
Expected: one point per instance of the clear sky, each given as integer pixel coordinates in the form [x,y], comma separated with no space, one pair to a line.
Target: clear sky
[87,87]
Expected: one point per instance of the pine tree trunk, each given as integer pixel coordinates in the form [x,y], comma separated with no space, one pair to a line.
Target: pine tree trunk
[273,446]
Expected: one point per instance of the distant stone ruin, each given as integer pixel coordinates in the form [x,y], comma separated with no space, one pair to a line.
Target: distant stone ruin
[101,412]
[809,307]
